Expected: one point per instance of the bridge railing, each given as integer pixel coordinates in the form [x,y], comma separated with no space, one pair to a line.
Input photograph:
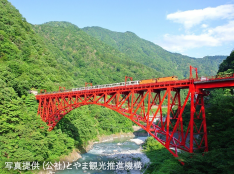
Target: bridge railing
[135,83]
[216,77]
[121,85]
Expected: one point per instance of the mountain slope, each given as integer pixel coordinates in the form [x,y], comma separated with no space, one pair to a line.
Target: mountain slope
[28,61]
[154,56]
[87,58]
[228,64]
[25,63]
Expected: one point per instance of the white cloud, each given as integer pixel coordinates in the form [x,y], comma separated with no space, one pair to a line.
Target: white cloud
[212,37]
[224,33]
[191,18]
[204,25]
[180,43]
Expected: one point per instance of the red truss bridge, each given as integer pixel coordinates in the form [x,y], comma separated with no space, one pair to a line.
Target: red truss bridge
[143,103]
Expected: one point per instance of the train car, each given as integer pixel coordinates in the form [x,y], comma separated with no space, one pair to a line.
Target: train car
[160,79]
[164,79]
[132,83]
[147,81]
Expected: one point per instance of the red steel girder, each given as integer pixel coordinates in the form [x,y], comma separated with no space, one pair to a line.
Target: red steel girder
[143,105]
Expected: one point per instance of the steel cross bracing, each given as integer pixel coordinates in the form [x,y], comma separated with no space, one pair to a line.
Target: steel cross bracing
[143,105]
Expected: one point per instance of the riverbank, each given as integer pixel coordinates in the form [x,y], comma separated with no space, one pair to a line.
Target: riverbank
[76,153]
[132,156]
[105,138]
[129,155]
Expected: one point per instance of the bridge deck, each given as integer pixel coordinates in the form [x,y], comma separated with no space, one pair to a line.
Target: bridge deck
[135,101]
[215,83]
[178,84]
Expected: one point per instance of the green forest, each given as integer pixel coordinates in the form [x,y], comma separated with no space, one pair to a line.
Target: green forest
[54,54]
[219,118]
[154,56]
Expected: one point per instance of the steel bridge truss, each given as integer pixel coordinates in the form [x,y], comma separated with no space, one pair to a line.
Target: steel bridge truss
[175,129]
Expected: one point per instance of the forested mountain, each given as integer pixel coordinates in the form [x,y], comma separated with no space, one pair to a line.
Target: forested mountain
[86,58]
[25,63]
[30,61]
[154,56]
[60,54]
[219,107]
[228,64]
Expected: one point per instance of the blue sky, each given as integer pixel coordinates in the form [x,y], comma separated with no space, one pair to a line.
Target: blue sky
[196,28]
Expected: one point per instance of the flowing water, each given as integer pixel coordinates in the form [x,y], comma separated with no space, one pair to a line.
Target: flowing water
[99,154]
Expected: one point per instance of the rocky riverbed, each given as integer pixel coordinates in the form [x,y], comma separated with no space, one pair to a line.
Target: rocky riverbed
[132,156]
[118,148]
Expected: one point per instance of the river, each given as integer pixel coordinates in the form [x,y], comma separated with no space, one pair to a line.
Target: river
[123,154]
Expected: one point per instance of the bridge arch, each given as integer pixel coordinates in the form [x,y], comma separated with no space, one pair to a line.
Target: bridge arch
[137,105]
